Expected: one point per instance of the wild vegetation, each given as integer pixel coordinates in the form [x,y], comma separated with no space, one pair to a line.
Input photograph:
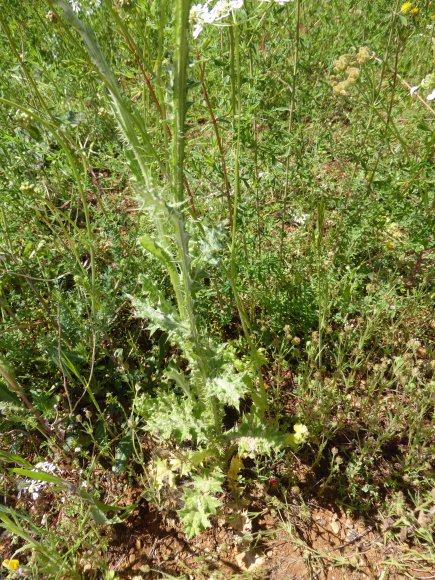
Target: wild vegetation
[215,282]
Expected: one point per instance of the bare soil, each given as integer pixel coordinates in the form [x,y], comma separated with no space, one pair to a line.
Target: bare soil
[314,542]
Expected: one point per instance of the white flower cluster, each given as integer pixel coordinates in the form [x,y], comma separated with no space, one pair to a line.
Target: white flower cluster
[34,487]
[427,84]
[77,6]
[202,14]
[299,220]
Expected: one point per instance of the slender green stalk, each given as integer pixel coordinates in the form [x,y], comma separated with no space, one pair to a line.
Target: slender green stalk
[260,398]
[135,51]
[322,281]
[233,79]
[290,124]
[180,106]
[162,23]
[236,100]
[180,95]
[201,69]
[158,71]
[389,112]
[17,389]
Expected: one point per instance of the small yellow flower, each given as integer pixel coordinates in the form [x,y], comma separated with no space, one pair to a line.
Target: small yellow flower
[11,564]
[415,11]
[301,432]
[406,8]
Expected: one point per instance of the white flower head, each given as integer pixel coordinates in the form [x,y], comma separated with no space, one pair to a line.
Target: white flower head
[77,6]
[299,220]
[34,487]
[413,90]
[202,14]
[431,96]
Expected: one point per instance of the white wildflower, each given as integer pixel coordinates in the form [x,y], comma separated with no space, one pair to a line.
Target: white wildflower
[413,90]
[202,14]
[34,487]
[77,6]
[299,220]
[45,466]
[431,96]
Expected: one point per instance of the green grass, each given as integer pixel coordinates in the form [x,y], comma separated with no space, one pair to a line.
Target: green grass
[204,243]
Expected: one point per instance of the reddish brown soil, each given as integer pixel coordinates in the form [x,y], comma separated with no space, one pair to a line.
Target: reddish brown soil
[315,542]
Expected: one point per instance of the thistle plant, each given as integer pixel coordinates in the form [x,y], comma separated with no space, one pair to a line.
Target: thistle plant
[191,407]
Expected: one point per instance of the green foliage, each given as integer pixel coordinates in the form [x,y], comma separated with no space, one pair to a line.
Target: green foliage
[215,247]
[200,502]
[170,416]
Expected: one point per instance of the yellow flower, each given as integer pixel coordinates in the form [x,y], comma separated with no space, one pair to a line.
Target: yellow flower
[299,436]
[414,11]
[406,8]
[301,432]
[11,564]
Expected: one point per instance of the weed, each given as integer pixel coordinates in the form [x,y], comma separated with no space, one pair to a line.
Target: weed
[216,255]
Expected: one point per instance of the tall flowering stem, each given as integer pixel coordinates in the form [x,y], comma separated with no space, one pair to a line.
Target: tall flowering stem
[182,11]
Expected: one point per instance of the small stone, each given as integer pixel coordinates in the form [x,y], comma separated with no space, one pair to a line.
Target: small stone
[423,519]
[335,527]
[250,560]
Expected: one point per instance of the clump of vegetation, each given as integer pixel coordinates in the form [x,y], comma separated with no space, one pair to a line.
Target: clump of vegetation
[215,291]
